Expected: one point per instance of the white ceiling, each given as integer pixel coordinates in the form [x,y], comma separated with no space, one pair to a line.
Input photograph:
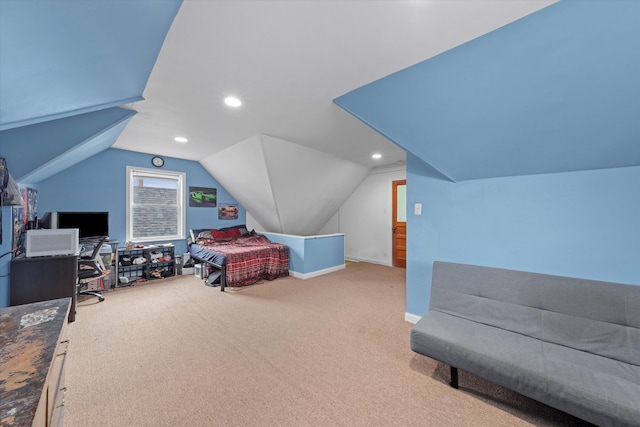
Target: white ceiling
[287,61]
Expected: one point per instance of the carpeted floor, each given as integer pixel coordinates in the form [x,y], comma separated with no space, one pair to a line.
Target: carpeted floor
[327,351]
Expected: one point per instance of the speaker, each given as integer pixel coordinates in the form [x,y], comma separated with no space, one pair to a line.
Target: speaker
[52,242]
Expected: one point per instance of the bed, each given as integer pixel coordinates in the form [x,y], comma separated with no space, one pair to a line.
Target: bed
[238,256]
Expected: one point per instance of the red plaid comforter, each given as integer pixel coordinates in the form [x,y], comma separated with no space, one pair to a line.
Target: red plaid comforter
[250,258]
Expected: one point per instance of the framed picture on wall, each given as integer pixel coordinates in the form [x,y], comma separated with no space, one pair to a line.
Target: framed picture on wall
[228,211]
[30,196]
[17,213]
[202,197]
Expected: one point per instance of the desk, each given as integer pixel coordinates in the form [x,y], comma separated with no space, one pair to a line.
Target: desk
[32,362]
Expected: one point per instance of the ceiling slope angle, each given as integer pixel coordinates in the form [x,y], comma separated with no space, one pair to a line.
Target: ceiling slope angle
[555,91]
[286,187]
[64,58]
[287,60]
[58,144]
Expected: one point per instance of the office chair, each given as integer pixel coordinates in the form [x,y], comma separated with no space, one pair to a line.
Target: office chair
[91,267]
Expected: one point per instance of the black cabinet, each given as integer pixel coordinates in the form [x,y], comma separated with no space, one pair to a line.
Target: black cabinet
[44,278]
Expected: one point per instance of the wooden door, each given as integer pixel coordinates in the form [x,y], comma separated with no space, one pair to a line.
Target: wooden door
[399,224]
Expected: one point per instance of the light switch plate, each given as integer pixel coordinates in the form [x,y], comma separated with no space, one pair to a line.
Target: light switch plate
[417,209]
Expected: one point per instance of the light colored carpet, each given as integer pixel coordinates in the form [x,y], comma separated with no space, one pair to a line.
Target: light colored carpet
[327,351]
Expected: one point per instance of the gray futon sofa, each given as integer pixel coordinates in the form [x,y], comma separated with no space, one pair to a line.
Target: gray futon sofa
[573,344]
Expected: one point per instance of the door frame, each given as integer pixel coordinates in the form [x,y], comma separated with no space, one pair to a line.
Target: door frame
[394,223]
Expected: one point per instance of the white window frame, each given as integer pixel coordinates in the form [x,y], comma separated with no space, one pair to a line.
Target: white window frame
[179,177]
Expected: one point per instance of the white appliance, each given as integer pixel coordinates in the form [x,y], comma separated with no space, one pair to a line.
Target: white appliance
[52,242]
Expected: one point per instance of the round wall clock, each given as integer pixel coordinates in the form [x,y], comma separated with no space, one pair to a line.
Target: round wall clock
[157,161]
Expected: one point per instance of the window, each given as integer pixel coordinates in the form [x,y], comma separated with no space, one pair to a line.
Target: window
[155,205]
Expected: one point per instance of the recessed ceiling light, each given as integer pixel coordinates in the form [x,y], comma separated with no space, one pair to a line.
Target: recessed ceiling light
[180,139]
[376,156]
[232,101]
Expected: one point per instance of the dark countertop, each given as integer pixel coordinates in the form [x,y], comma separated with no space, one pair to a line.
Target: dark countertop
[29,335]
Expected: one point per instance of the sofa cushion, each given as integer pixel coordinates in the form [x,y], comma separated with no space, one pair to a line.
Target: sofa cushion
[574,381]
[597,317]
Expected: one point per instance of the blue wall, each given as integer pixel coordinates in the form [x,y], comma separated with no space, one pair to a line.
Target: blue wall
[99,184]
[556,91]
[55,145]
[523,146]
[312,255]
[64,58]
[579,224]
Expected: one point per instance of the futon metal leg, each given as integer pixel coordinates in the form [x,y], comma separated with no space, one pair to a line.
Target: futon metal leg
[454,377]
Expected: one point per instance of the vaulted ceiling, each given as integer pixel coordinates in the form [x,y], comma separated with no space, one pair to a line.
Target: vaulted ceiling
[557,91]
[74,65]
[287,61]
[66,68]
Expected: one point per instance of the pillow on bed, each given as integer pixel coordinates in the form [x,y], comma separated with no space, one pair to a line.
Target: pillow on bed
[241,227]
[205,234]
[232,232]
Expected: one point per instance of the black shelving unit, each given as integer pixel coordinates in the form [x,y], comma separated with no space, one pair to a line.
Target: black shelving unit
[148,263]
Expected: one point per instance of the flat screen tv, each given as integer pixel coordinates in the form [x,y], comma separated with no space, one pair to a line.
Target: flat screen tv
[89,224]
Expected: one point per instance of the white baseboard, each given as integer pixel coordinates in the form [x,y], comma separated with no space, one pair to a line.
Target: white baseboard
[316,273]
[371,261]
[411,318]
